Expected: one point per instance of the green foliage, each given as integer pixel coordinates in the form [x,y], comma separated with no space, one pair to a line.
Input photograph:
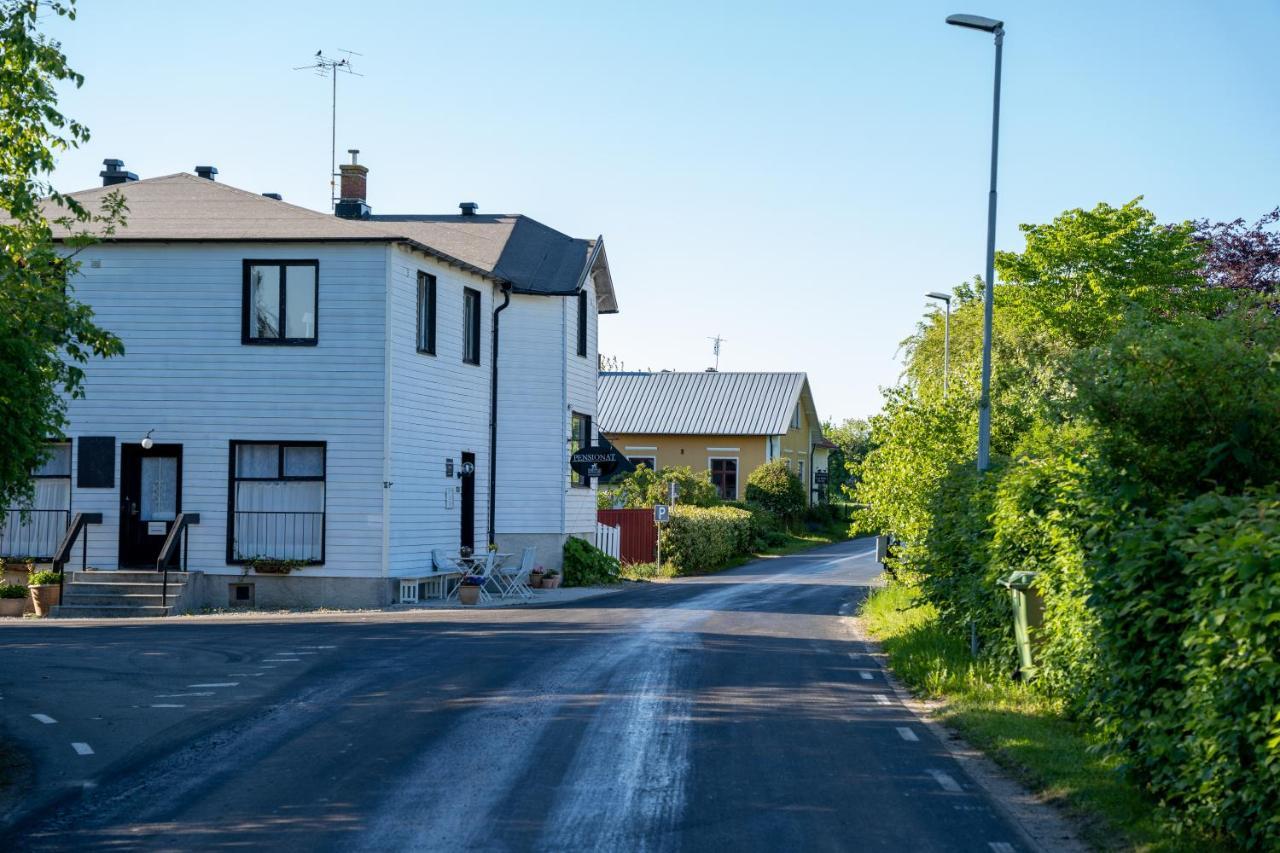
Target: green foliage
[852,438]
[587,565]
[775,488]
[644,487]
[12,590]
[701,539]
[43,578]
[45,333]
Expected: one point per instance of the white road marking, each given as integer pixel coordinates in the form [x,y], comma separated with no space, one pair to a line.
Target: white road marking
[281,660]
[882,699]
[945,780]
[217,684]
[866,674]
[905,733]
[304,653]
[167,705]
[43,718]
[1001,847]
[846,608]
[82,748]
[182,695]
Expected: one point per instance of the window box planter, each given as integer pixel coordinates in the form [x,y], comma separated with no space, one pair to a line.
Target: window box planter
[266,566]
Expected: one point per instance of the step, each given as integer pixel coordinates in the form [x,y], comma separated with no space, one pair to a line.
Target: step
[124,576]
[101,611]
[119,589]
[91,599]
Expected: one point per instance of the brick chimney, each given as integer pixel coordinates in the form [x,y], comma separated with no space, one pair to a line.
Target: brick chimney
[353,189]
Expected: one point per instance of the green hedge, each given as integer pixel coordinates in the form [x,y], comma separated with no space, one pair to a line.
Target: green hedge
[699,539]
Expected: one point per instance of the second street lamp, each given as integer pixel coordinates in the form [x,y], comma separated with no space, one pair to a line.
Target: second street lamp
[946,337]
[996,28]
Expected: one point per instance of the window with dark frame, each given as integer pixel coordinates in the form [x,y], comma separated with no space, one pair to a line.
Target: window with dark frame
[582,323]
[470,326]
[647,461]
[280,303]
[426,313]
[579,437]
[276,501]
[34,530]
[724,476]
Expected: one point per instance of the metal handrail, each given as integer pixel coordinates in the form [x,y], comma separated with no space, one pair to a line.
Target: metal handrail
[179,529]
[60,557]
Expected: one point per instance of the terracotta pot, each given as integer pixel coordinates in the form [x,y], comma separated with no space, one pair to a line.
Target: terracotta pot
[468,594]
[45,597]
[535,580]
[12,606]
[551,583]
[16,573]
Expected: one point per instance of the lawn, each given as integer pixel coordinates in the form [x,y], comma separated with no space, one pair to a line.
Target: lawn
[1022,731]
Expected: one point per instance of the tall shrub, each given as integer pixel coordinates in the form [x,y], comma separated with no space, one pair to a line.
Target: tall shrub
[773,487]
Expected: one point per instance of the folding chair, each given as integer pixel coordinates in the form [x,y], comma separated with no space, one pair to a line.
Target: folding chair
[518,582]
[488,573]
[441,563]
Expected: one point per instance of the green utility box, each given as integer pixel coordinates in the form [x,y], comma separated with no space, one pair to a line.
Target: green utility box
[1028,618]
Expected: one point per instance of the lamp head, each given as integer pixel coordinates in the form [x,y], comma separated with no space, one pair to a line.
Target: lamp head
[147,443]
[976,22]
[945,297]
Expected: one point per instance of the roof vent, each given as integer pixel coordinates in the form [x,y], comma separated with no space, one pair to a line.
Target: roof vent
[115,173]
[207,172]
[469,208]
[276,196]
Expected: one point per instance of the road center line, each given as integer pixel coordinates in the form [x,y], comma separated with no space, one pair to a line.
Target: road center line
[43,718]
[882,699]
[282,660]
[217,684]
[82,748]
[182,695]
[945,780]
[906,734]
[167,705]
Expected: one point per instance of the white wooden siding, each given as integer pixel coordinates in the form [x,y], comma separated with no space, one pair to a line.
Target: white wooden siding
[581,377]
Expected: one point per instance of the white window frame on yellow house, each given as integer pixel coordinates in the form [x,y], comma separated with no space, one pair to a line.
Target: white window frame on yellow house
[737,473]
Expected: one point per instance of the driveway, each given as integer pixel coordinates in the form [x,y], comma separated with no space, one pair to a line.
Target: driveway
[734,712]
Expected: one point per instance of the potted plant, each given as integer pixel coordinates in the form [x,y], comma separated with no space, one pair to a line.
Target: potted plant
[16,569]
[13,599]
[536,576]
[551,580]
[469,590]
[46,593]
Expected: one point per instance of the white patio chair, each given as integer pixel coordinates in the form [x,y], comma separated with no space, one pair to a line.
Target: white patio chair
[518,581]
[488,572]
[441,562]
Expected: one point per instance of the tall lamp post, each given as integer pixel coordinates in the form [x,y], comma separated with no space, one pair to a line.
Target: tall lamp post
[946,337]
[996,28]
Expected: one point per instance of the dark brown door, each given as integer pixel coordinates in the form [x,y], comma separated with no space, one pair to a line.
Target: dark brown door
[468,500]
[150,499]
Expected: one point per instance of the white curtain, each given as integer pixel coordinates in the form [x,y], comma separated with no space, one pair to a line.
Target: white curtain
[280,519]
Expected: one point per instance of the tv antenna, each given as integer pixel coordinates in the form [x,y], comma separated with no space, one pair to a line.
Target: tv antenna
[715,347]
[327,66]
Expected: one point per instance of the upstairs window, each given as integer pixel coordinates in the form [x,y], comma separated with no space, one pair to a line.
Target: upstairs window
[281,301]
[426,313]
[470,326]
[582,323]
[579,437]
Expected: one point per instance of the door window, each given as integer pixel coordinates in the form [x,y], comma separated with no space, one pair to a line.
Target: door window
[158,500]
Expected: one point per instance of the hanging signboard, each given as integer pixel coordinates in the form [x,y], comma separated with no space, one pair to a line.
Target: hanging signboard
[596,461]
[820,477]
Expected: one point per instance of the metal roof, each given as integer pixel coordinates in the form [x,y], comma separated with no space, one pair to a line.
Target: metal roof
[698,403]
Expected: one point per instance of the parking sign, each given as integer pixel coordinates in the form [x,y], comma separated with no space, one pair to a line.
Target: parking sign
[661,513]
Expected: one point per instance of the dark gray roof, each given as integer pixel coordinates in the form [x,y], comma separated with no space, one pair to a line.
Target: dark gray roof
[698,403]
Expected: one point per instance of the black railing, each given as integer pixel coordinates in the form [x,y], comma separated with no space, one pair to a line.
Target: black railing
[79,523]
[278,535]
[32,532]
[179,532]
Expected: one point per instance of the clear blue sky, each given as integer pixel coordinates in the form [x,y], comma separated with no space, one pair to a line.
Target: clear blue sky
[791,176]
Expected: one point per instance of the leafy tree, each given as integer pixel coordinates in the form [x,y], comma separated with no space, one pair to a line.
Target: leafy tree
[644,487]
[852,438]
[774,487]
[1242,258]
[45,333]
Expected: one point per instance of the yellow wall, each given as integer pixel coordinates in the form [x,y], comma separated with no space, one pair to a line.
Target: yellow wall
[796,445]
[674,451]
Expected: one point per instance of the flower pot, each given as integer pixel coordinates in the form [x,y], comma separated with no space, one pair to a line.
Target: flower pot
[44,597]
[468,594]
[16,573]
[12,606]
[535,579]
[551,583]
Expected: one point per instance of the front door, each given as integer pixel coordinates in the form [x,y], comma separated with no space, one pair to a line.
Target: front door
[150,499]
[468,500]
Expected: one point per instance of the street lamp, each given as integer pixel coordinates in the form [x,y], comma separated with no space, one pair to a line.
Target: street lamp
[946,337]
[996,28]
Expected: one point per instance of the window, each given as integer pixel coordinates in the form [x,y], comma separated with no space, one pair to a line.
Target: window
[724,476]
[277,501]
[470,326]
[647,461]
[281,301]
[579,437]
[795,417]
[426,313]
[36,529]
[582,323]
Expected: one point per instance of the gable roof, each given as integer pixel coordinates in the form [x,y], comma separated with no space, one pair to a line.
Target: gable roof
[509,250]
[698,403]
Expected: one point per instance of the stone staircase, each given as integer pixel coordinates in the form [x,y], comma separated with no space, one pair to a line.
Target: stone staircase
[96,594]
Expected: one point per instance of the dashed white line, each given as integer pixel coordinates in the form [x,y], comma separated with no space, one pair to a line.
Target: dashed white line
[82,748]
[905,733]
[866,674]
[945,780]
[1000,847]
[882,699]
[43,718]
[182,695]
[304,653]
[217,684]
[281,660]
[167,705]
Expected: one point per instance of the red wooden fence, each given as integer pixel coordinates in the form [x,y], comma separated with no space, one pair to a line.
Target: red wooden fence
[639,542]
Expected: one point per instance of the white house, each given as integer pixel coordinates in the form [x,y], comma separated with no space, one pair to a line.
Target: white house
[322,389]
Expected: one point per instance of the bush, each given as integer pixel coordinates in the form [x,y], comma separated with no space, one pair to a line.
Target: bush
[775,488]
[43,578]
[587,565]
[644,487]
[700,539]
[12,590]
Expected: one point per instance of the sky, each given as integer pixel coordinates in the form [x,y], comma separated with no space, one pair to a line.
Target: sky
[790,176]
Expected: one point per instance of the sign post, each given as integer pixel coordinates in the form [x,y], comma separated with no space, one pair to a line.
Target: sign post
[661,515]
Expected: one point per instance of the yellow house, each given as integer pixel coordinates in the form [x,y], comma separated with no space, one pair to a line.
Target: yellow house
[727,424]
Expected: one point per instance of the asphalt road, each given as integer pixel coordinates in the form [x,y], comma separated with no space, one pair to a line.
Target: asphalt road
[736,712]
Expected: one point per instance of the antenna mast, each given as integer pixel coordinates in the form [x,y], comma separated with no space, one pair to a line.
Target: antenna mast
[715,347]
[327,66]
